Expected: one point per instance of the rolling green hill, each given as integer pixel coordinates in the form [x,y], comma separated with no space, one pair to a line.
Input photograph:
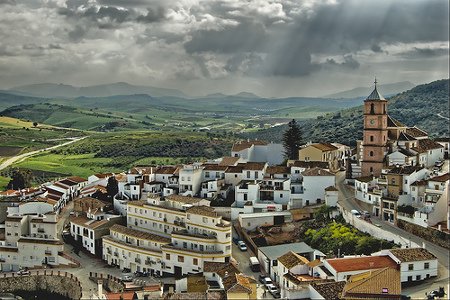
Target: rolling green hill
[419,106]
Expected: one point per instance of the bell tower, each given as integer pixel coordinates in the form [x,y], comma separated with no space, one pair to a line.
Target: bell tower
[375,136]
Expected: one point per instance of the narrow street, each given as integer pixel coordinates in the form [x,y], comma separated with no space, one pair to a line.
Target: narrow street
[348,201]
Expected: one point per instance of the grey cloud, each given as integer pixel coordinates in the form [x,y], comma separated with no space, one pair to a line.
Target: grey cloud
[424,52]
[77,33]
[241,38]
[10,2]
[153,15]
[376,48]
[349,62]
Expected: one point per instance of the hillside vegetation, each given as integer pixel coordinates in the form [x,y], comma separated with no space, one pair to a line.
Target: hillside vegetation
[419,106]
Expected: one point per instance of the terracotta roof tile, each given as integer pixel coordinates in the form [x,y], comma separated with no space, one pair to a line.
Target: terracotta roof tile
[416,132]
[291,259]
[324,146]
[361,263]
[317,172]
[329,290]
[206,211]
[183,199]
[441,178]
[381,282]
[228,161]
[239,146]
[278,170]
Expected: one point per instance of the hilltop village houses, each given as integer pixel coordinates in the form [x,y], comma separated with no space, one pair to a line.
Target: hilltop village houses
[180,220]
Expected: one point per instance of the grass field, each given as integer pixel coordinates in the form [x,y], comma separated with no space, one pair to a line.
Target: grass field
[81,165]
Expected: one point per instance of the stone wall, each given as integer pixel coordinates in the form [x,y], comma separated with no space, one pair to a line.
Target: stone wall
[57,282]
[373,230]
[430,234]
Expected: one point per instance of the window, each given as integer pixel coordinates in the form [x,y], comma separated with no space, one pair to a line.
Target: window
[426,265]
[184,245]
[370,169]
[245,197]
[371,138]
[409,278]
[227,235]
[167,256]
[195,261]
[248,174]
[205,220]
[256,174]
[418,277]
[180,258]
[372,109]
[206,174]
[371,153]
[410,267]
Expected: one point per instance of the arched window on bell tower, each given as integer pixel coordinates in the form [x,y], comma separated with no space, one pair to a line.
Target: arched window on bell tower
[371,153]
[384,109]
[372,109]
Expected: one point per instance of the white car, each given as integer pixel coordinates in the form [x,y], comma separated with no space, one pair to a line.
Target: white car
[267,281]
[242,246]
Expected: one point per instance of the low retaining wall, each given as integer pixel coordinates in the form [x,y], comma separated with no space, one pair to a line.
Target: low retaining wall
[375,231]
[57,282]
[430,234]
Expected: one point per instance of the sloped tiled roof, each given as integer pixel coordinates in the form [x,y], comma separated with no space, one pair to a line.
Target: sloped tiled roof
[317,172]
[416,132]
[361,263]
[309,164]
[291,259]
[234,169]
[380,282]
[239,146]
[408,170]
[228,161]
[405,137]
[278,170]
[391,122]
[441,178]
[139,234]
[425,145]
[203,211]
[324,146]
[412,254]
[253,166]
[329,290]
[331,188]
[183,199]
[375,95]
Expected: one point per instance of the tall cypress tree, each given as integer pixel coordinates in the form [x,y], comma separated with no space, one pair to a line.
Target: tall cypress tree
[292,139]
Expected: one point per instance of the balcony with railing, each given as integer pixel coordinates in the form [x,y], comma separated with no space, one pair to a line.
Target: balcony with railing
[137,260]
[116,253]
[148,262]
[48,252]
[41,230]
[108,250]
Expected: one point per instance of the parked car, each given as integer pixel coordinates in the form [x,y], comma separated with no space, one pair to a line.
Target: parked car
[266,280]
[242,246]
[273,290]
[126,278]
[366,214]
[356,213]
[236,240]
[23,271]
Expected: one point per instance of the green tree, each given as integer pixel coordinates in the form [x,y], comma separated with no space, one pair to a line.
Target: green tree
[20,179]
[112,187]
[292,139]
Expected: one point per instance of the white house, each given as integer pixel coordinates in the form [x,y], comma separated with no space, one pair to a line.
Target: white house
[315,181]
[342,268]
[256,151]
[415,263]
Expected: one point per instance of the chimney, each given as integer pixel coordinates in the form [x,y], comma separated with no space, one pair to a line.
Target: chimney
[100,289]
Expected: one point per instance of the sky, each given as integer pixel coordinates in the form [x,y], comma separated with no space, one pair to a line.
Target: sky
[272,48]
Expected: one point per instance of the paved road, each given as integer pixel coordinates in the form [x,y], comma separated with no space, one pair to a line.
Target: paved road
[347,200]
[21,157]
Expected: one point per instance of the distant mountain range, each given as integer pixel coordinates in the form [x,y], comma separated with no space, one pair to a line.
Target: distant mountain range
[425,106]
[52,90]
[361,92]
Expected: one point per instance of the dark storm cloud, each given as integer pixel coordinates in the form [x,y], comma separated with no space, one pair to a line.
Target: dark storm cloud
[241,38]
